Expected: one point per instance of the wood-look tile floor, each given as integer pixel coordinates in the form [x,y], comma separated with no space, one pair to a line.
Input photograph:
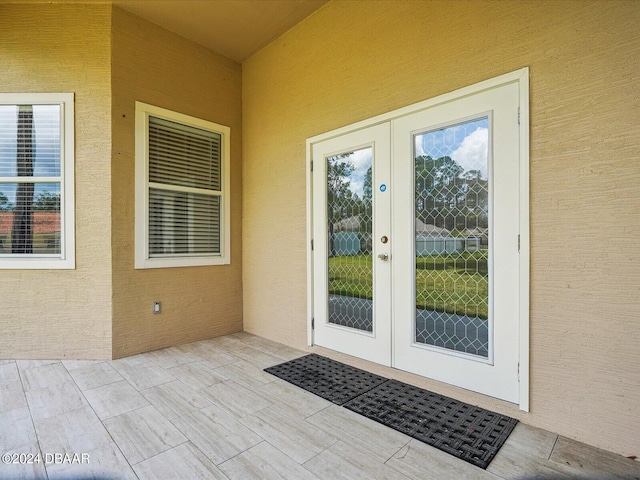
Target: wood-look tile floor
[207,410]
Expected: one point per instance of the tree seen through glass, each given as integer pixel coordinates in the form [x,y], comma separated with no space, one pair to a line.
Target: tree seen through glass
[451,217]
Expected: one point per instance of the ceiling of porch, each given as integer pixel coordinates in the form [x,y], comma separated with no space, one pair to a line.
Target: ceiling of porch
[234,28]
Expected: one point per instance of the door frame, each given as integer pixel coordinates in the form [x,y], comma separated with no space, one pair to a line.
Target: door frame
[521,77]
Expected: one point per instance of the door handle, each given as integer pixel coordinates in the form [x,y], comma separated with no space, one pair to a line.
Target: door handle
[383,256]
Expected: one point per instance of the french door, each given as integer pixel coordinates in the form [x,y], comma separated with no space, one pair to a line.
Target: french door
[351,263]
[416,230]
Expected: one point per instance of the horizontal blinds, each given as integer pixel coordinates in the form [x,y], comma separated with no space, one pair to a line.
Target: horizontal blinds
[182,155]
[183,223]
[30,219]
[30,141]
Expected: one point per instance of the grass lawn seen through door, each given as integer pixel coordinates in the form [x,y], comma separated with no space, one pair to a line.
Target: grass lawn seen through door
[453,283]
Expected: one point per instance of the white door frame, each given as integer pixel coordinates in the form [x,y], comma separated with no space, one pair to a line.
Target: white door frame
[521,77]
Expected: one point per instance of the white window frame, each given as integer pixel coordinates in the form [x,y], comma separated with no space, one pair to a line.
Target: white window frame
[66,258]
[143,259]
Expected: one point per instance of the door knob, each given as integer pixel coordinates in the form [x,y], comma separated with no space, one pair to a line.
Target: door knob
[383,256]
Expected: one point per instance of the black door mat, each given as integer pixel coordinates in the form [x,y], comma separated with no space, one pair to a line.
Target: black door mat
[331,380]
[465,431]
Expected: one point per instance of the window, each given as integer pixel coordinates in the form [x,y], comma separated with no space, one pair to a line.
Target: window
[182,190]
[36,181]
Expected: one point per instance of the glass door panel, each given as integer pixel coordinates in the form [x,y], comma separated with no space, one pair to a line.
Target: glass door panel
[452,237]
[349,230]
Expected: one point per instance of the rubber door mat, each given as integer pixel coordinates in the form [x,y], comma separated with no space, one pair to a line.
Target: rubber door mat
[331,380]
[465,431]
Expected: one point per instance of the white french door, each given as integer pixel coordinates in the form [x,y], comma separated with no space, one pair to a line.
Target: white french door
[456,170]
[417,223]
[352,298]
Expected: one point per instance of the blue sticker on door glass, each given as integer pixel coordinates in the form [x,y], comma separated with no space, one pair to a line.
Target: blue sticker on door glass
[383,187]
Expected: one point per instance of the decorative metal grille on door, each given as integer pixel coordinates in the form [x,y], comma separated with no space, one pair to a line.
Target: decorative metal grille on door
[349,229]
[452,237]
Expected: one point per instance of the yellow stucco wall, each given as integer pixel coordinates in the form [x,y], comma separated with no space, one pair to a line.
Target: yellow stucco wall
[51,313]
[154,66]
[352,60]
[103,307]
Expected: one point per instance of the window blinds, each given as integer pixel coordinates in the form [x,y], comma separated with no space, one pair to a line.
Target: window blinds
[30,180]
[185,172]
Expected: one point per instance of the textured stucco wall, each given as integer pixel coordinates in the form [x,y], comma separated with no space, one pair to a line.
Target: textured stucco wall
[352,60]
[154,66]
[51,313]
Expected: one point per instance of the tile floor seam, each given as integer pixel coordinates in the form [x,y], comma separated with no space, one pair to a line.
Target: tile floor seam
[240,453]
[103,385]
[307,461]
[255,432]
[392,456]
[553,448]
[113,440]
[398,451]
[160,453]
[303,465]
[315,413]
[237,347]
[270,353]
[165,451]
[46,471]
[498,475]
[33,424]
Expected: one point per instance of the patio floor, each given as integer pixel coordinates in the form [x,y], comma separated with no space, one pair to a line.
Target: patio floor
[207,410]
